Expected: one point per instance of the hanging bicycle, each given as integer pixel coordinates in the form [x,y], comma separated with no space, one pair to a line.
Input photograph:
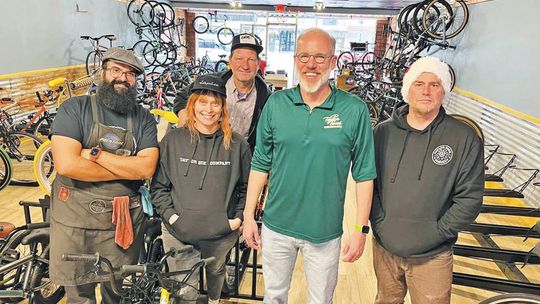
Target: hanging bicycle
[201,24]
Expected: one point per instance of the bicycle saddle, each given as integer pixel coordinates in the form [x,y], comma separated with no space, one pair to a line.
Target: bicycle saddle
[40,235]
[5,229]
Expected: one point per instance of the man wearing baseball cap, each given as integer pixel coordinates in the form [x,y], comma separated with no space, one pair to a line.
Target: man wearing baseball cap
[429,187]
[246,90]
[104,146]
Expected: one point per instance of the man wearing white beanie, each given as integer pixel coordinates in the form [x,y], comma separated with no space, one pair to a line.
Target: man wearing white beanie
[429,187]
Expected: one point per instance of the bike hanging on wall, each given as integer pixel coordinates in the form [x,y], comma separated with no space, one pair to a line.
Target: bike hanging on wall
[201,24]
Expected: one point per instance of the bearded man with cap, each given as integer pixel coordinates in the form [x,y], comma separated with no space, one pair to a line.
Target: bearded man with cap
[199,188]
[104,146]
[246,90]
[429,187]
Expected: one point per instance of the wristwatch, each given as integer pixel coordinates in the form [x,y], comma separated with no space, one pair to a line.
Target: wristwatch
[362,228]
[95,152]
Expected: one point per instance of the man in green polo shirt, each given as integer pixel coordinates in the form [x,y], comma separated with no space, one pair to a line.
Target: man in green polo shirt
[309,137]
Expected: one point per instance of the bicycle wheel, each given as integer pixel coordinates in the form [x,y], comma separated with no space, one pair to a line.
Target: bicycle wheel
[221,66]
[373,113]
[513,298]
[452,76]
[21,148]
[43,126]
[200,24]
[93,62]
[44,171]
[6,170]
[146,55]
[344,59]
[142,16]
[403,26]
[163,14]
[455,19]
[12,251]
[225,35]
[46,292]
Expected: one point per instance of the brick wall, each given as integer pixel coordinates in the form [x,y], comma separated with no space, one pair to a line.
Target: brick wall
[191,39]
[381,36]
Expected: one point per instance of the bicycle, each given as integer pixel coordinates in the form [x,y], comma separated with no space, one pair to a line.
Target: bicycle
[24,266]
[94,58]
[513,298]
[6,169]
[222,65]
[147,283]
[21,148]
[201,25]
[44,171]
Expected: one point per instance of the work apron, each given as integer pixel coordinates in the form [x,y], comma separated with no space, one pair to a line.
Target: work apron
[81,212]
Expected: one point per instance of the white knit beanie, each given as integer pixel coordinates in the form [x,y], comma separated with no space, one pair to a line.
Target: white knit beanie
[431,65]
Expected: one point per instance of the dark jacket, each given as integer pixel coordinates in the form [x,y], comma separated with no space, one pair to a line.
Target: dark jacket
[263,92]
[429,184]
[202,182]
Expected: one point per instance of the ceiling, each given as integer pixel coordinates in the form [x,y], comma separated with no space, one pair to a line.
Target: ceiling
[365,7]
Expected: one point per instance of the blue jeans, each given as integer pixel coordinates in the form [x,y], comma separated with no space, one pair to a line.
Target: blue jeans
[279,254]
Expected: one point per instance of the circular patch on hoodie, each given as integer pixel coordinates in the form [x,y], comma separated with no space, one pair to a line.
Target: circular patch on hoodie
[442,155]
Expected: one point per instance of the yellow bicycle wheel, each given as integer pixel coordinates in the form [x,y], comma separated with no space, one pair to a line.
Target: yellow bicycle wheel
[44,171]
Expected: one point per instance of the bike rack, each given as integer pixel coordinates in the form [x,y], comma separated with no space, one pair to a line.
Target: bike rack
[510,256]
[489,229]
[511,210]
[494,283]
[497,175]
[517,191]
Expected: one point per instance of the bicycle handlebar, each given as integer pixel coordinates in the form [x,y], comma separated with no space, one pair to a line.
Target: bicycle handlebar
[111,37]
[37,225]
[72,257]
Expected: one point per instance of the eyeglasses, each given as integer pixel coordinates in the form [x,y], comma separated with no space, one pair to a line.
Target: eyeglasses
[117,73]
[304,58]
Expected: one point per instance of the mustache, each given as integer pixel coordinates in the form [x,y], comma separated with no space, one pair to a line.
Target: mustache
[125,83]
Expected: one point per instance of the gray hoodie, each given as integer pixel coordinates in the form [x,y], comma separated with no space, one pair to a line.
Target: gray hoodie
[201,182]
[429,184]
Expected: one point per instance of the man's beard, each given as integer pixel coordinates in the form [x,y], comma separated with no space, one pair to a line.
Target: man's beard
[122,102]
[315,87]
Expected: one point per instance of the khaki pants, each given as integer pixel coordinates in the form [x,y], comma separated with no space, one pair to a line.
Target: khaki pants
[429,280]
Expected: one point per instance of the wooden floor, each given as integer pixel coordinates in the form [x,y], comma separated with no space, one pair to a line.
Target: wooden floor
[356,282]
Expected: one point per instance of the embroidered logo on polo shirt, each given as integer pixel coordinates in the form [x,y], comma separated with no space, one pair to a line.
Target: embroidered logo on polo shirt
[332,121]
[442,155]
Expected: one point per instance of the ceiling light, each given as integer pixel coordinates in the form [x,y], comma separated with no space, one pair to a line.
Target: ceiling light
[236,4]
[319,6]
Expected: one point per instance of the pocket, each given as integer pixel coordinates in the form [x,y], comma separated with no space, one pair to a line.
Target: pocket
[406,237]
[79,208]
[196,225]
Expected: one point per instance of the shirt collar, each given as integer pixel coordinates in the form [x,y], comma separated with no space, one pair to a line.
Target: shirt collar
[327,104]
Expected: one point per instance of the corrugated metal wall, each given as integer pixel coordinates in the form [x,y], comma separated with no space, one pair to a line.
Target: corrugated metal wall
[514,135]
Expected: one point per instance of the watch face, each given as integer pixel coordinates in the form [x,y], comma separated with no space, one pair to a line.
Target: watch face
[94,152]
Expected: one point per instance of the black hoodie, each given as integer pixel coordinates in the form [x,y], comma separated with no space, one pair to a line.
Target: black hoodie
[429,184]
[201,182]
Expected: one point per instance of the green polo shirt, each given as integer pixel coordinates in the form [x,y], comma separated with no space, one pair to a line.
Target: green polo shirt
[309,154]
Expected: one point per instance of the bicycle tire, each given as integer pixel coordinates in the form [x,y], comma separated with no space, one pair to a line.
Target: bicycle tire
[221,66]
[452,76]
[143,19]
[458,19]
[200,24]
[6,169]
[471,123]
[51,293]
[21,148]
[42,127]
[164,12]
[93,62]
[225,35]
[44,171]
[139,48]
[344,59]
[373,113]
[401,20]
[513,298]
[419,11]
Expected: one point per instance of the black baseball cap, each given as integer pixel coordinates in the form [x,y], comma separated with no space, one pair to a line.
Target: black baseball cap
[209,82]
[246,40]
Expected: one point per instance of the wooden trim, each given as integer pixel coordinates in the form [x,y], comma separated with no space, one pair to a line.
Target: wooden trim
[498,105]
[31,73]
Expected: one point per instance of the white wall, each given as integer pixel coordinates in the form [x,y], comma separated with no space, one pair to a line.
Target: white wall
[40,34]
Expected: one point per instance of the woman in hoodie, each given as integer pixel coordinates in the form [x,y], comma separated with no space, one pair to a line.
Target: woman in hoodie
[200,185]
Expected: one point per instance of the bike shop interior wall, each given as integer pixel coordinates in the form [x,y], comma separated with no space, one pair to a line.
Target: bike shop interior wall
[496,63]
